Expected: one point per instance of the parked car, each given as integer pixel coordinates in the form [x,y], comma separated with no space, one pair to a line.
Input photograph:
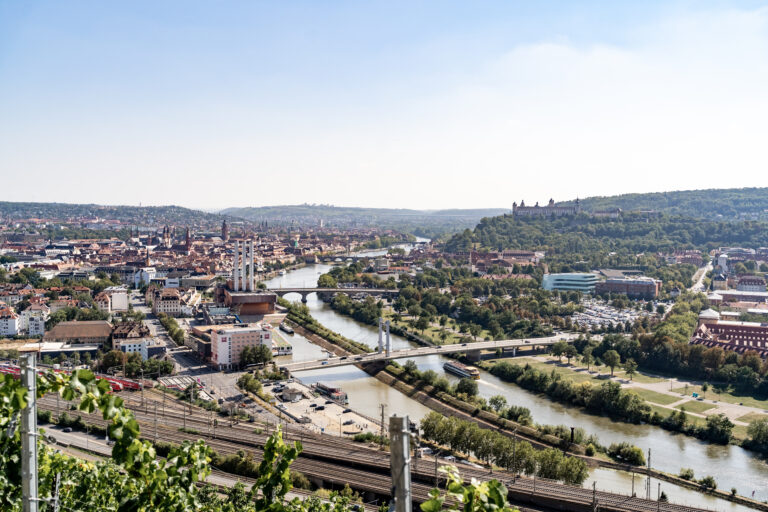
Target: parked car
[320,408]
[67,430]
[313,405]
[329,402]
[349,422]
[346,411]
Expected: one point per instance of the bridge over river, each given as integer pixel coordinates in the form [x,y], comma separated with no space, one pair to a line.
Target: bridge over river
[386,355]
[384,292]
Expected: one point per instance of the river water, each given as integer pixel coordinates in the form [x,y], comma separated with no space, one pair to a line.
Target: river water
[730,465]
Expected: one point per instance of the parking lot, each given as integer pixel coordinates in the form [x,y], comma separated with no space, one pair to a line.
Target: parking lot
[324,415]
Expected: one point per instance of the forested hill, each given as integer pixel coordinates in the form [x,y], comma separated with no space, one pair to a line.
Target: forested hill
[428,223]
[583,236]
[132,215]
[732,203]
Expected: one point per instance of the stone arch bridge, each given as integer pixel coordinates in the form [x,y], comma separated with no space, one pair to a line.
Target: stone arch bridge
[326,293]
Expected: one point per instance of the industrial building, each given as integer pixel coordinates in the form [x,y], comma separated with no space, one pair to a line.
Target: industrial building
[240,294]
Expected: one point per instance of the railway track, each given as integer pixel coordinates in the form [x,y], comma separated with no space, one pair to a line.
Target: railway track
[338,461]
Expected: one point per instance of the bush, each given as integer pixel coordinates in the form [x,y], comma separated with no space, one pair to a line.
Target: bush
[686,473]
[590,451]
[708,482]
[628,453]
[300,481]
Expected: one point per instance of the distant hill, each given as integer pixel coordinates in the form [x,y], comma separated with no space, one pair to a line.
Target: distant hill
[727,204]
[135,215]
[427,223]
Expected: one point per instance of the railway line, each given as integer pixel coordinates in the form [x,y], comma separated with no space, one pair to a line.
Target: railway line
[336,461]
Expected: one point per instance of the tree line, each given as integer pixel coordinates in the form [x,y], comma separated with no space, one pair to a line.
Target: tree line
[509,453]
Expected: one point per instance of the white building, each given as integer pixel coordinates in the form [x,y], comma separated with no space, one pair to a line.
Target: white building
[144,276]
[146,347]
[118,297]
[228,343]
[9,322]
[32,320]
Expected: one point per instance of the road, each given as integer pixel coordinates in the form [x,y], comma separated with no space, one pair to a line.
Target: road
[698,278]
[425,351]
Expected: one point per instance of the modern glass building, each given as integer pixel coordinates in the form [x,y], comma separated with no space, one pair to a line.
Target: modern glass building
[575,281]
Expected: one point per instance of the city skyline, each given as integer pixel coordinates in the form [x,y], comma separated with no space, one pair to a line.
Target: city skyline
[384,105]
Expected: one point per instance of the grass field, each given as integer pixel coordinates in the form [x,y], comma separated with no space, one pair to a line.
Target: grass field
[695,407]
[655,397]
[728,397]
[753,416]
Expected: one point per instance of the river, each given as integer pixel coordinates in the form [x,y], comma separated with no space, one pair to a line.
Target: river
[731,466]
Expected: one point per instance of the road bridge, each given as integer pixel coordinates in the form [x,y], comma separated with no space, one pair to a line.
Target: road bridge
[304,292]
[473,349]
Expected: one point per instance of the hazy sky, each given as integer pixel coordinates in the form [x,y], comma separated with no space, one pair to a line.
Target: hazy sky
[404,104]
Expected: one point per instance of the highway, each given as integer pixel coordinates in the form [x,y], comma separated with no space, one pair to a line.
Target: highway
[334,461]
[332,362]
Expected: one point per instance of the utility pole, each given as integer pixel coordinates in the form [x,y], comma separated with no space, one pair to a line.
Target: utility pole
[514,455]
[400,460]
[29,435]
[155,421]
[648,484]
[381,435]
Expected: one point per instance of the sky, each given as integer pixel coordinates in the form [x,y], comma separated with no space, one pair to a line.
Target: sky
[412,104]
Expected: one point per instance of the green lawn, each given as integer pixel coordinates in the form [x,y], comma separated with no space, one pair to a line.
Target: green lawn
[695,406]
[712,394]
[565,371]
[655,397]
[753,416]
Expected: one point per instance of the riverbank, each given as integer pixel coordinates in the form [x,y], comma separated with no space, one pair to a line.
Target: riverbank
[450,406]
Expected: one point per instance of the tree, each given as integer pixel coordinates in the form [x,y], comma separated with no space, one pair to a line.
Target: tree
[612,359]
[326,281]
[467,386]
[421,324]
[111,359]
[497,402]
[587,357]
[630,366]
[558,349]
[410,367]
[758,434]
[570,353]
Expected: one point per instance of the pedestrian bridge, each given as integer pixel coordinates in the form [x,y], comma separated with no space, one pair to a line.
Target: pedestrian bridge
[304,292]
[476,347]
